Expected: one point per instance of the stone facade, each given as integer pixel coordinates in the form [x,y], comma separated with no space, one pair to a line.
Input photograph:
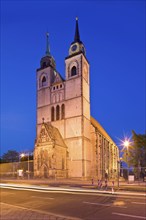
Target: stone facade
[50,153]
[69,142]
[105,152]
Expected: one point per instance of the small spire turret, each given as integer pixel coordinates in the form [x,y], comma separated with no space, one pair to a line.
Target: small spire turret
[48,59]
[47,45]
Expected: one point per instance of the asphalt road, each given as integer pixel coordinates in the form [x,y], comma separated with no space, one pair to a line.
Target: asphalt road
[83,205]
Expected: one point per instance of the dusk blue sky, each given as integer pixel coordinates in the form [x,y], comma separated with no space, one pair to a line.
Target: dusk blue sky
[113,33]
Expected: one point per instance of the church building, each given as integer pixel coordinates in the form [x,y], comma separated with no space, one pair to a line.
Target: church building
[70,143]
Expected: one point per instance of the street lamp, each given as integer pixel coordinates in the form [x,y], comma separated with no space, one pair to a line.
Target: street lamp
[23,155]
[119,164]
[126,145]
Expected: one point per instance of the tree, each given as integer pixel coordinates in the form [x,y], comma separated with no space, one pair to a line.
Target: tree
[1,160]
[10,156]
[136,154]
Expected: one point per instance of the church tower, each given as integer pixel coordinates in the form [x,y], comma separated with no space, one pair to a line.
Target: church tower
[50,153]
[77,96]
[69,142]
[45,77]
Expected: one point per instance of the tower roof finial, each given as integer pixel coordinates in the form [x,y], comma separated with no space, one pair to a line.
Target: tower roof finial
[77,35]
[47,45]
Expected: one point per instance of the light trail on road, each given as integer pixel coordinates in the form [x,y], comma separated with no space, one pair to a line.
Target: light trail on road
[71,190]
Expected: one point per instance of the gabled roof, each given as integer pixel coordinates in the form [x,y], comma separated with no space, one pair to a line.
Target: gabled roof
[51,134]
[58,78]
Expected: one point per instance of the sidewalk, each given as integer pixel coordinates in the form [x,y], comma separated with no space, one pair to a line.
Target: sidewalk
[70,183]
[9,212]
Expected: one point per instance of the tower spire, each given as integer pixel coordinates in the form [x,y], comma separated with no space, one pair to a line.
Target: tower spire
[77,35]
[47,45]
[47,59]
[77,46]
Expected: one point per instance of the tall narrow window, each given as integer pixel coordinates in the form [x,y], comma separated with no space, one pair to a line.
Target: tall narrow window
[62,111]
[52,114]
[62,163]
[73,71]
[44,81]
[57,112]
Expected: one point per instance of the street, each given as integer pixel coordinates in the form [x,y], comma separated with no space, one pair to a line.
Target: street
[34,204]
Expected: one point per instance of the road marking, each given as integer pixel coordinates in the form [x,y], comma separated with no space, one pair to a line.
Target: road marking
[102,204]
[119,203]
[92,203]
[42,197]
[126,215]
[140,203]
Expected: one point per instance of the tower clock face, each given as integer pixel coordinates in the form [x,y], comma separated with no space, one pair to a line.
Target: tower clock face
[74,47]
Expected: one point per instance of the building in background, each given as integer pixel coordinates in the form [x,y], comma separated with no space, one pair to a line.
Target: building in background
[69,142]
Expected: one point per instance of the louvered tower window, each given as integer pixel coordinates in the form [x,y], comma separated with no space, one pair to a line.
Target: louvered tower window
[44,81]
[73,71]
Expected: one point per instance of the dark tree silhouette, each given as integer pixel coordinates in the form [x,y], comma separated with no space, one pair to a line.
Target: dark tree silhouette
[136,154]
[10,156]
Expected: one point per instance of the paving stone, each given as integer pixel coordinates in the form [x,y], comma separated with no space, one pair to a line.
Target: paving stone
[10,212]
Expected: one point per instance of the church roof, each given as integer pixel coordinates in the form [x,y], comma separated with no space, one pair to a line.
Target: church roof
[100,129]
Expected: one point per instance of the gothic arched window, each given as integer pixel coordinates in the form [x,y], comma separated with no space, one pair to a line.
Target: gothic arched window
[52,114]
[44,81]
[57,112]
[73,71]
[62,111]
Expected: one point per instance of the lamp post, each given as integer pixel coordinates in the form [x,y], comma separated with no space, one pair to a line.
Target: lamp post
[23,155]
[126,145]
[28,165]
[118,164]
